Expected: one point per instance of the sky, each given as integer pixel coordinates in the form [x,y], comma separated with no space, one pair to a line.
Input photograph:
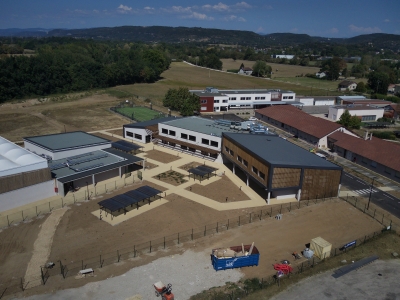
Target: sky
[327,18]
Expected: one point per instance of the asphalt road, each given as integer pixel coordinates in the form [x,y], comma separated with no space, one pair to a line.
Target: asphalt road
[382,199]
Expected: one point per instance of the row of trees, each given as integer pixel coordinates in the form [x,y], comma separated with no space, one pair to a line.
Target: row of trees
[182,100]
[79,66]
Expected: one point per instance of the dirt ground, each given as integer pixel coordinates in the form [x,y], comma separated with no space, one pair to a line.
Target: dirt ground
[119,132]
[160,156]
[80,235]
[172,177]
[190,166]
[222,190]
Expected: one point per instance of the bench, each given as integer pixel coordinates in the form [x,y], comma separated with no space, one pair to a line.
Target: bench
[86,271]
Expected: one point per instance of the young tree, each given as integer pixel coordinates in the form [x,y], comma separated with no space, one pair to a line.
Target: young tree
[361,87]
[345,119]
[379,82]
[260,68]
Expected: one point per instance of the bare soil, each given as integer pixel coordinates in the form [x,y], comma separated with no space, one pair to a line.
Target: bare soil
[222,190]
[171,177]
[162,157]
[191,165]
[119,132]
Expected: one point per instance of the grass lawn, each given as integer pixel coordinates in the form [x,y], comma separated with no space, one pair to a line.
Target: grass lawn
[140,113]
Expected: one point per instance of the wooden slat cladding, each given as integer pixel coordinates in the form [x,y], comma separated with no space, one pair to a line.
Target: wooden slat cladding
[238,152]
[285,177]
[21,180]
[319,183]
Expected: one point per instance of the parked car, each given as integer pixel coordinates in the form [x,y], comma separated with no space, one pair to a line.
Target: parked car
[253,119]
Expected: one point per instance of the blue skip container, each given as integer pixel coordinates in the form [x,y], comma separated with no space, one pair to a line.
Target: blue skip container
[223,263]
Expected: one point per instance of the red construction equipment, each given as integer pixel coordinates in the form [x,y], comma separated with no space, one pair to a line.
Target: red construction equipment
[164,291]
[286,269]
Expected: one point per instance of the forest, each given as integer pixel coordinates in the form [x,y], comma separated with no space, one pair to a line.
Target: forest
[67,65]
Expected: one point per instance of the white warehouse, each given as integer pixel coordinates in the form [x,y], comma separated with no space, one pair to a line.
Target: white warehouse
[366,113]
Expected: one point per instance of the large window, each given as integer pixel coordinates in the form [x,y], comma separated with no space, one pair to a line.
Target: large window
[205,141]
[224,101]
[172,132]
[248,98]
[129,134]
[368,118]
[138,136]
[262,175]
[242,98]
[254,169]
[184,136]
[245,162]
[203,101]
[232,98]
[163,130]
[240,159]
[216,101]
[192,138]
[214,143]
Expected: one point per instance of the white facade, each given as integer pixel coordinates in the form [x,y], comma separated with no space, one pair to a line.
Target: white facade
[15,159]
[64,153]
[321,102]
[306,101]
[335,112]
[137,134]
[26,195]
[189,136]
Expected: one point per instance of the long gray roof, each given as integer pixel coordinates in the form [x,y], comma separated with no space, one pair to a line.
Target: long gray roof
[65,141]
[279,152]
[144,124]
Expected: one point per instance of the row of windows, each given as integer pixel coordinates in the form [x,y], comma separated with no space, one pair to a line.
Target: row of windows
[170,132]
[260,98]
[287,97]
[208,142]
[186,137]
[203,101]
[368,118]
[189,137]
[245,98]
[223,101]
[246,164]
[137,136]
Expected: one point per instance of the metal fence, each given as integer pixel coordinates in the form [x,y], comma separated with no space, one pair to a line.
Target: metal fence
[132,116]
[83,194]
[136,250]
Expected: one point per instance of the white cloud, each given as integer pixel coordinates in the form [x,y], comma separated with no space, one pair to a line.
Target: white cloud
[333,30]
[295,30]
[95,11]
[365,30]
[241,19]
[149,8]
[219,7]
[242,5]
[267,7]
[386,20]
[180,9]
[260,29]
[199,16]
[230,18]
[124,9]
[222,7]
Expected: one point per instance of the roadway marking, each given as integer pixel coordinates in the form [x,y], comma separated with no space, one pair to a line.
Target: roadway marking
[361,182]
[365,191]
[388,197]
[349,176]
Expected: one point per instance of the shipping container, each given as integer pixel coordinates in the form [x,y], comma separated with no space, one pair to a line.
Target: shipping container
[223,263]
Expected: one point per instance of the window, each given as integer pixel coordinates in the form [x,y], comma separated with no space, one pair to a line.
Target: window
[232,98]
[205,141]
[216,101]
[214,143]
[192,138]
[245,162]
[397,174]
[248,98]
[163,130]
[231,152]
[262,175]
[290,97]
[364,160]
[226,149]
[242,98]
[129,134]
[224,101]
[258,98]
[184,136]
[373,164]
[285,97]
[240,159]
[254,169]
[368,118]
[388,171]
[203,101]
[138,136]
[172,132]
[262,98]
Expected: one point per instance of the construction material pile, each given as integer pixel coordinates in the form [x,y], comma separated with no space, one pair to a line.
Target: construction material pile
[229,252]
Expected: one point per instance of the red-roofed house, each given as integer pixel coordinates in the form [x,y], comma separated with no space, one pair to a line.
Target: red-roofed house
[373,153]
[311,129]
[392,111]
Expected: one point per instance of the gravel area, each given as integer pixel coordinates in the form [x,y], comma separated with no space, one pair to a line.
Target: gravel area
[191,272]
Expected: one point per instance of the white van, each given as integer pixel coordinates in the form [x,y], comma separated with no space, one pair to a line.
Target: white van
[321,155]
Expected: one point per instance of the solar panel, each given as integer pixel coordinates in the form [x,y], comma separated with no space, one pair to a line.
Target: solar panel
[127,144]
[198,172]
[123,148]
[137,195]
[57,166]
[124,145]
[79,156]
[86,168]
[148,190]
[111,205]
[125,199]
[206,169]
[87,159]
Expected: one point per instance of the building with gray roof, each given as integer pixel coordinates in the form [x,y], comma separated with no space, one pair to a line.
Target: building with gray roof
[283,169]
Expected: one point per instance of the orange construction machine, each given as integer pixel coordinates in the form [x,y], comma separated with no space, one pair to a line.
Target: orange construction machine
[164,291]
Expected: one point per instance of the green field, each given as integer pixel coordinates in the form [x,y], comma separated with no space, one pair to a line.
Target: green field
[139,114]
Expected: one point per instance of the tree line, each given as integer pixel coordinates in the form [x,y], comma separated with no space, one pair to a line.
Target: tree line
[78,66]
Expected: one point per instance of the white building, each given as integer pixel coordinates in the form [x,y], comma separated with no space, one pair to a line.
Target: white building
[214,100]
[316,101]
[24,176]
[367,113]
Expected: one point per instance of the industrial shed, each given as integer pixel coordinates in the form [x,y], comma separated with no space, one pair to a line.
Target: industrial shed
[283,169]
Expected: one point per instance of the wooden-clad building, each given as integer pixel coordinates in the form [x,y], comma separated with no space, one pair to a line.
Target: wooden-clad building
[283,169]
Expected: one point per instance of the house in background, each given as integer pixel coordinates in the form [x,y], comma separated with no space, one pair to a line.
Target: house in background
[320,74]
[347,85]
[392,111]
[245,71]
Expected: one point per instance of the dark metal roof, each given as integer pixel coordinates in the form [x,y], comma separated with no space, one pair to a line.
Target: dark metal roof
[65,141]
[278,152]
[149,123]
[129,159]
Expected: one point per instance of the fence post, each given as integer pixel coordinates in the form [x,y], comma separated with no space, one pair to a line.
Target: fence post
[178,238]
[260,214]
[308,201]
[250,217]
[374,213]
[205,230]
[192,234]
[118,256]
[239,220]
[365,207]
[164,242]
[217,227]
[280,211]
[42,275]
[134,250]
[228,225]
[356,203]
[22,285]
[383,216]
[290,206]
[271,213]
[301,268]
[101,262]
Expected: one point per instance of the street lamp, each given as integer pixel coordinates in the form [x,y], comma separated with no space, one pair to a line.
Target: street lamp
[370,192]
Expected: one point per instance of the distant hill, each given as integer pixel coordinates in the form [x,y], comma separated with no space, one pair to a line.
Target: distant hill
[203,35]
